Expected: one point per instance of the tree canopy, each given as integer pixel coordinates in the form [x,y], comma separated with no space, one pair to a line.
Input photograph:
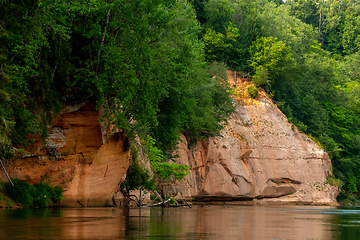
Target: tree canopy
[142,62]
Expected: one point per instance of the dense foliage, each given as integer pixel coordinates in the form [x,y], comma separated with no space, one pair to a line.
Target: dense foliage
[137,176]
[306,53]
[39,195]
[141,61]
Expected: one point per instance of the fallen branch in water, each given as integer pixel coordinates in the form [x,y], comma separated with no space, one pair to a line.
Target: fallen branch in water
[157,204]
[135,200]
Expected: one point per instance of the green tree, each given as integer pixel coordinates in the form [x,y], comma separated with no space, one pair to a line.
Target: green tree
[271,56]
[32,49]
[163,169]
[305,10]
[218,46]
[218,14]
[279,23]
[350,37]
[199,8]
[137,177]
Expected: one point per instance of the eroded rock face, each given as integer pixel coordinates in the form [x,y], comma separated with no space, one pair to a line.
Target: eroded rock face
[260,156]
[79,156]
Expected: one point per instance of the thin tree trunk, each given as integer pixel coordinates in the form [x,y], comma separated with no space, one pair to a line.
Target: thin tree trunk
[2,164]
[141,196]
[320,22]
[103,34]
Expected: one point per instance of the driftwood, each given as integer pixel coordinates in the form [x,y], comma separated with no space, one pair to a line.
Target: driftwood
[136,200]
[153,204]
[157,197]
[130,198]
[181,205]
[171,205]
[157,204]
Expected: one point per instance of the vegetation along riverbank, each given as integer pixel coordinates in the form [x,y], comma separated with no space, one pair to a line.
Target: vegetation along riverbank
[239,99]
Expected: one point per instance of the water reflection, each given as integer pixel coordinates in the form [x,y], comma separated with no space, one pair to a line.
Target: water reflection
[207,222]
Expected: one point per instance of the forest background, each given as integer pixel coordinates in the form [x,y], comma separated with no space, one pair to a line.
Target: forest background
[150,64]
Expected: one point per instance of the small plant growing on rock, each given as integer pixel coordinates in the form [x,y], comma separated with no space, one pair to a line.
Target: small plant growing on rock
[253,91]
[162,169]
[333,181]
[173,201]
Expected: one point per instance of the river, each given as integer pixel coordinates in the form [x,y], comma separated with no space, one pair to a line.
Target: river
[198,222]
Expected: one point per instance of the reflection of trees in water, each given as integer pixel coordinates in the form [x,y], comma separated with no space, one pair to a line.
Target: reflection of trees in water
[345,224]
[127,221]
[155,222]
[207,222]
[28,222]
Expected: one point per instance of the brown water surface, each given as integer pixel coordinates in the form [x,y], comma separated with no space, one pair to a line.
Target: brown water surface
[207,222]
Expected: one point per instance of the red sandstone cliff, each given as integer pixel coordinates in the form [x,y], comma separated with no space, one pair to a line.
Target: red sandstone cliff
[260,156]
[79,156]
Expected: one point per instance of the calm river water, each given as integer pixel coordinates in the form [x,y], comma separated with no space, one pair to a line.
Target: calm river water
[207,222]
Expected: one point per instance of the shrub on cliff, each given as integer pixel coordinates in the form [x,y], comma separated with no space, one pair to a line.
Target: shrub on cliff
[165,171]
[137,176]
[252,91]
[140,178]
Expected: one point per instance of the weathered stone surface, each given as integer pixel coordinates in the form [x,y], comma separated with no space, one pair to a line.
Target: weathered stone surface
[97,181]
[260,156]
[78,156]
